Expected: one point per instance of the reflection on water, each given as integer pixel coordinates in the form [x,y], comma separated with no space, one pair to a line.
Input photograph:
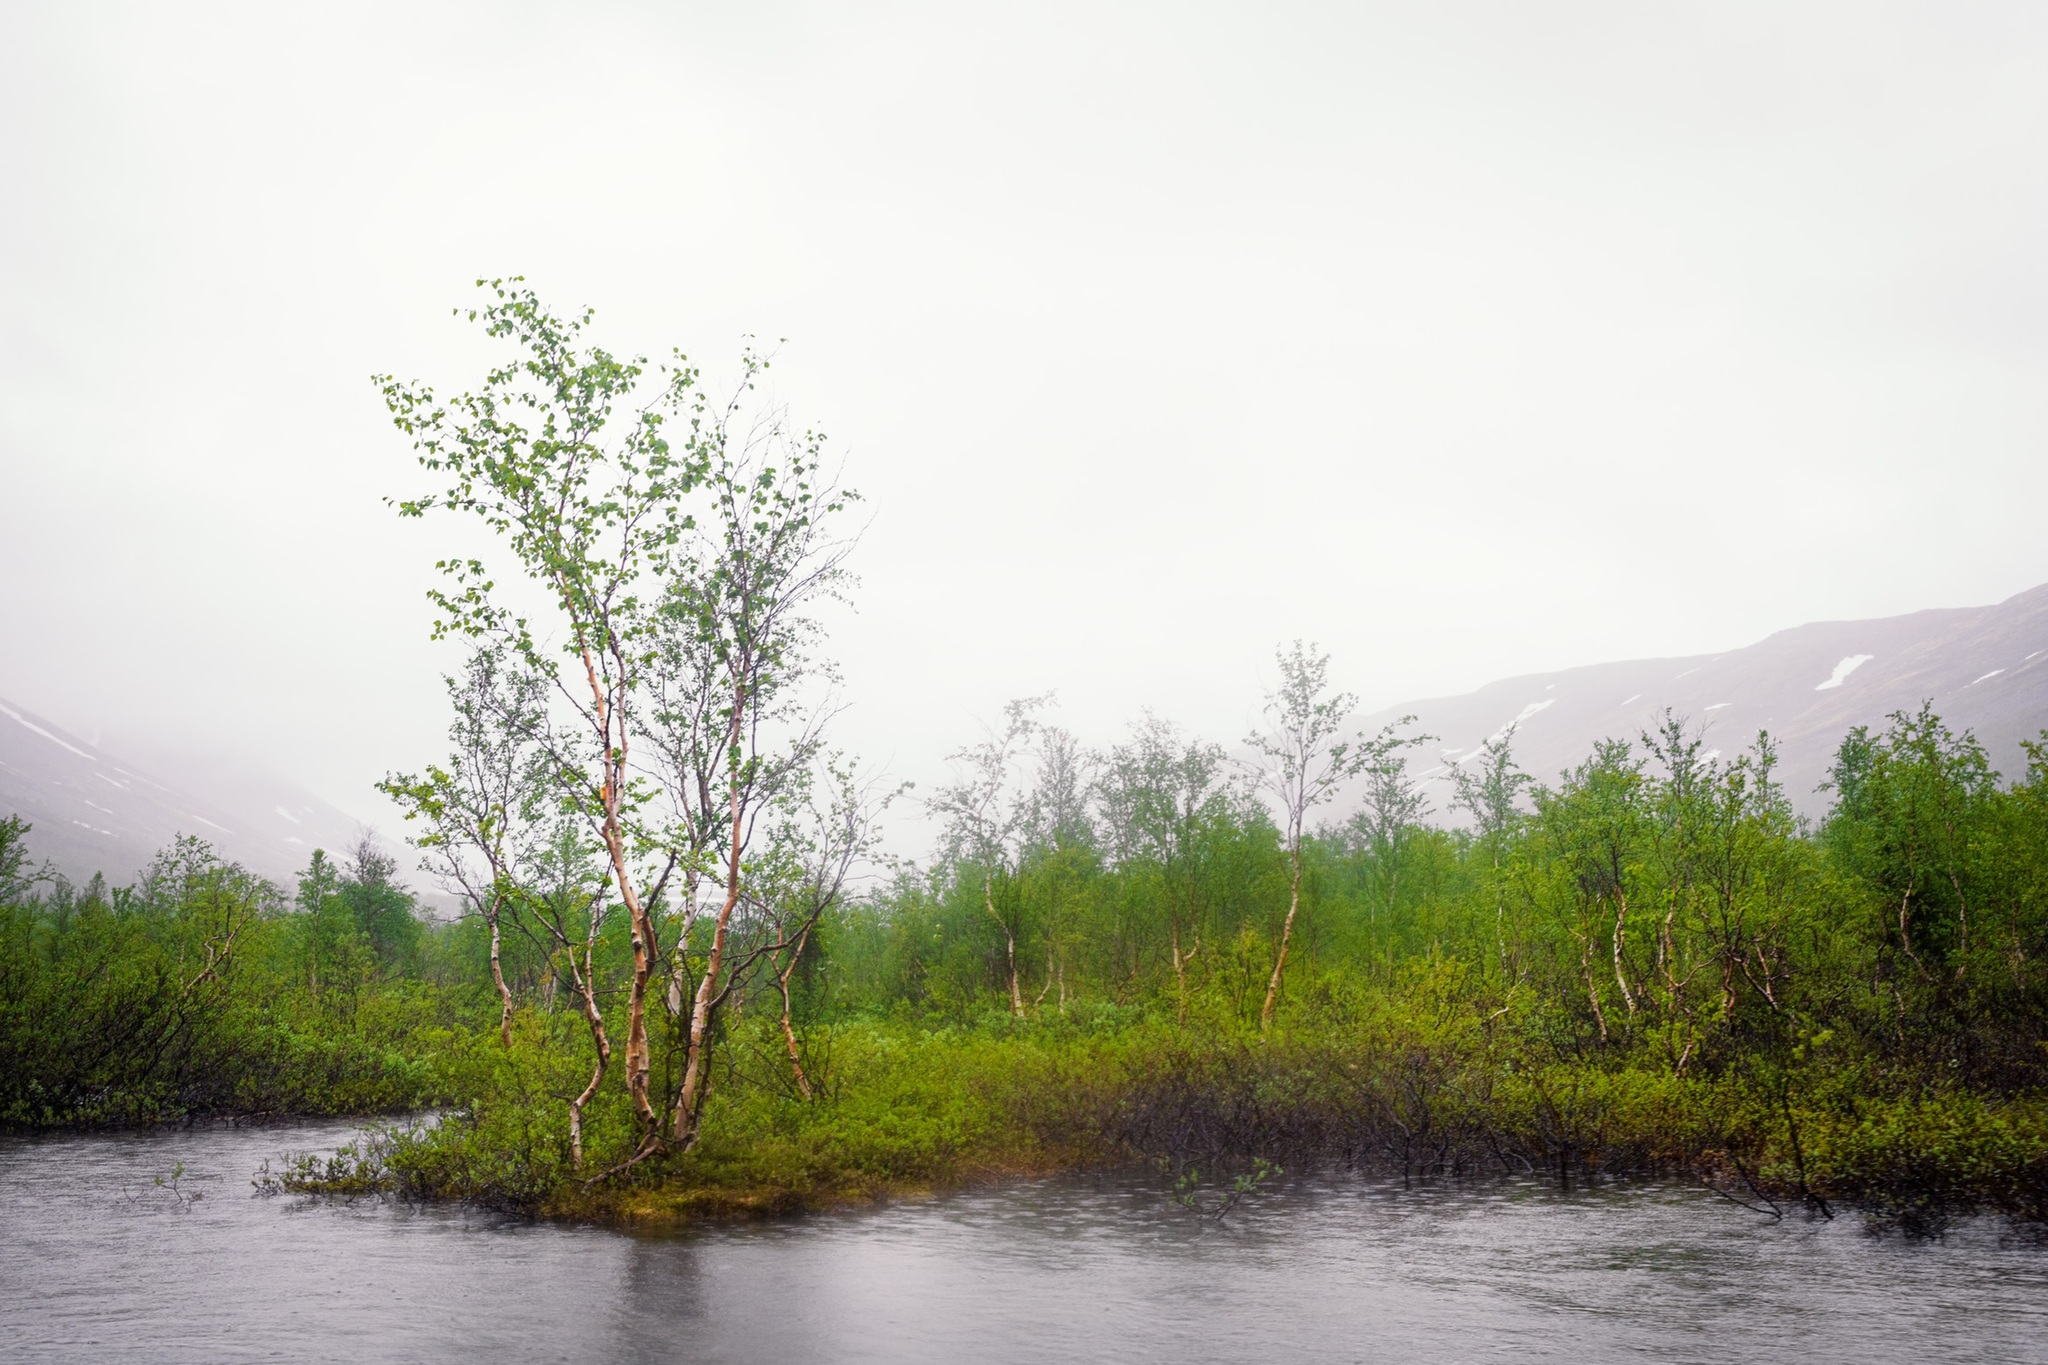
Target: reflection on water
[97,1260]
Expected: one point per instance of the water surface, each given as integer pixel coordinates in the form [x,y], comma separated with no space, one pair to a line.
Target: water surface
[98,1261]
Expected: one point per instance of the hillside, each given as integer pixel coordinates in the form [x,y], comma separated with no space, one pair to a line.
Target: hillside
[95,812]
[1984,668]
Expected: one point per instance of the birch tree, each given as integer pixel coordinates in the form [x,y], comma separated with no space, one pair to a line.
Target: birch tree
[672,552]
[1161,794]
[1489,791]
[739,732]
[473,811]
[817,852]
[1392,806]
[987,811]
[1302,761]
[1059,851]
[491,834]
[586,491]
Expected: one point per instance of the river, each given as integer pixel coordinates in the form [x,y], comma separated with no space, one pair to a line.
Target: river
[98,1261]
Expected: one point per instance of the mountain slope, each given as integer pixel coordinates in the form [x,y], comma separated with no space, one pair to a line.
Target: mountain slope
[93,812]
[1984,668]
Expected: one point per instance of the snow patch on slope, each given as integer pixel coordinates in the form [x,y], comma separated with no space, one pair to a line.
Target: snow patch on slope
[1531,709]
[1843,669]
[22,720]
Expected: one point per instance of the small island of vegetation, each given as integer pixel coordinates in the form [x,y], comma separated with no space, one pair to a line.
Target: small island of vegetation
[672,993]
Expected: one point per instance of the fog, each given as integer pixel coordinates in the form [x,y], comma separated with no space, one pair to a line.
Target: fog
[1466,339]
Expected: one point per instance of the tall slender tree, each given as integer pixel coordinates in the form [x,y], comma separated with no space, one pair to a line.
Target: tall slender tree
[1487,786]
[987,811]
[587,493]
[673,551]
[1303,759]
[739,628]
[475,813]
[1391,811]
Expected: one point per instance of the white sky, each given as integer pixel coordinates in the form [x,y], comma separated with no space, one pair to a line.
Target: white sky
[1467,339]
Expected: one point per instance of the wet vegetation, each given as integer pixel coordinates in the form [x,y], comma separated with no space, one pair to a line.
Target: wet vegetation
[685,982]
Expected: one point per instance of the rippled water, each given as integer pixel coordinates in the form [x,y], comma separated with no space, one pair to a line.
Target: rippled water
[97,1261]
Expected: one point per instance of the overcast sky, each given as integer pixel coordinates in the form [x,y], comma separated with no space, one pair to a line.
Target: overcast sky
[1469,340]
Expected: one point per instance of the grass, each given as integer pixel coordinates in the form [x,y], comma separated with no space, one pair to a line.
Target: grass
[906,1108]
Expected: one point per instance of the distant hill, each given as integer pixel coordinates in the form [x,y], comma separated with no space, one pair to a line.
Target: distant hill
[1984,668]
[94,812]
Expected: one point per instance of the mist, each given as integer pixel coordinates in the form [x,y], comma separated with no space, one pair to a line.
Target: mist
[1469,340]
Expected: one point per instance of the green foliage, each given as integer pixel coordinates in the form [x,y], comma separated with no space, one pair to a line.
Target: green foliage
[1650,965]
[200,991]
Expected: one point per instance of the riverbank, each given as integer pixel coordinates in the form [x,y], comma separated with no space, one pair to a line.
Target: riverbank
[902,1109]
